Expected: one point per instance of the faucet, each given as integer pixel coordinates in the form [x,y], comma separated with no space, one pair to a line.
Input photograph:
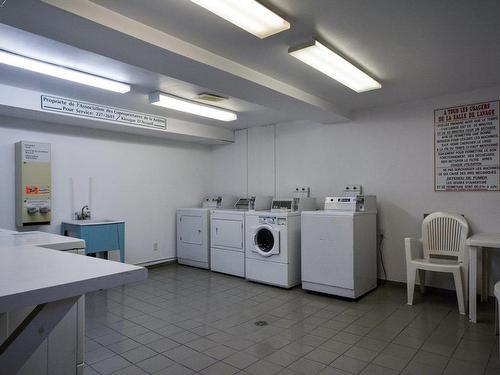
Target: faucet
[84,215]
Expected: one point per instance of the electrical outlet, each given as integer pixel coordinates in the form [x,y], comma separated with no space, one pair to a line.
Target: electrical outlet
[156,246]
[303,191]
[353,189]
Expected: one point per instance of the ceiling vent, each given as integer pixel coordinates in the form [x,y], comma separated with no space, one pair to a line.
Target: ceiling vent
[210,97]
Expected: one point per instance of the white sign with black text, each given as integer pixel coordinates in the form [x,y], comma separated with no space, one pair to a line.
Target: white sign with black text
[77,108]
[466,148]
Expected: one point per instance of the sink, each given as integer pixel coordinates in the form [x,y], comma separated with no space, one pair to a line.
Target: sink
[99,234]
[93,222]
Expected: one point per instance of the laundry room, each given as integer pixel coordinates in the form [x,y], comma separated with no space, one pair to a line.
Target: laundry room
[249,187]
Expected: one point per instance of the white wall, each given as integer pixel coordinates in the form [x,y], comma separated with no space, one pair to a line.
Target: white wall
[388,150]
[137,179]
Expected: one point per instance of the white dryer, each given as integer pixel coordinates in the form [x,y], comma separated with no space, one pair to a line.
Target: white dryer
[193,235]
[227,231]
[227,247]
[273,248]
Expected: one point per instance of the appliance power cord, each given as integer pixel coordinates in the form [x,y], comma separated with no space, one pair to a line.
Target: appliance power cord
[379,248]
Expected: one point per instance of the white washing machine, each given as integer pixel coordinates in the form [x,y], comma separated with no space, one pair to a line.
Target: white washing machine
[339,252]
[273,248]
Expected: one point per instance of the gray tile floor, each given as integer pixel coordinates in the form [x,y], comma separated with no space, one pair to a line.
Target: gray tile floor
[185,320]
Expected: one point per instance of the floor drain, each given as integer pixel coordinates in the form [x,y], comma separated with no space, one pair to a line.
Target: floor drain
[261,323]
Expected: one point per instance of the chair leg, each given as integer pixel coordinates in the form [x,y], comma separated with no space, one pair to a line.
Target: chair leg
[457,276]
[465,279]
[421,276]
[484,276]
[497,318]
[497,321]
[411,273]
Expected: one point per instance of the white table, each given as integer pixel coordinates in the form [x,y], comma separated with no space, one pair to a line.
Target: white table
[476,244]
[42,239]
[53,280]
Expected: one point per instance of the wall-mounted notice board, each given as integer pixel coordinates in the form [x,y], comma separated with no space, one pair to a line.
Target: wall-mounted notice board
[466,151]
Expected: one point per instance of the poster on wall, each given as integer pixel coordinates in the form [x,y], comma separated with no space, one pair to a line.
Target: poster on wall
[466,148]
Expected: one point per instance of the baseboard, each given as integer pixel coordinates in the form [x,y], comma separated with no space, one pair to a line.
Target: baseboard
[157,263]
[400,284]
[391,283]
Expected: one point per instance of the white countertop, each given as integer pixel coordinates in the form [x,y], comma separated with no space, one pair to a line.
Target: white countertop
[6,231]
[43,239]
[30,275]
[93,222]
[484,240]
[33,270]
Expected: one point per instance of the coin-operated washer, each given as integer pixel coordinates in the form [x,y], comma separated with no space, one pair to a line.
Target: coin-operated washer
[339,245]
[273,241]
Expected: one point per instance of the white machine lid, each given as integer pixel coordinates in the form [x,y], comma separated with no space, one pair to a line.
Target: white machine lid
[338,213]
[195,209]
[268,213]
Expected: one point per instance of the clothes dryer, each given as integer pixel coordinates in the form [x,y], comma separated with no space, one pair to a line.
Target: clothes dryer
[227,230]
[193,234]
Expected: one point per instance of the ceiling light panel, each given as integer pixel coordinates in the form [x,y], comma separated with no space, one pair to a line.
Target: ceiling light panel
[335,66]
[249,15]
[188,106]
[62,72]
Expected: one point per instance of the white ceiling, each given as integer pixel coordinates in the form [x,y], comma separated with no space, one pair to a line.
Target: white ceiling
[417,49]
[143,81]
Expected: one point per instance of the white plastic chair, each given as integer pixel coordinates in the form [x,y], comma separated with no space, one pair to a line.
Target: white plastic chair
[443,234]
[497,311]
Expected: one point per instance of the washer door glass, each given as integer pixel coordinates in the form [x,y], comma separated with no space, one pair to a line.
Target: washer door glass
[264,241]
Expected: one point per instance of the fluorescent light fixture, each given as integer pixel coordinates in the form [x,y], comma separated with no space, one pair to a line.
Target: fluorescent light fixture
[249,15]
[61,72]
[335,66]
[185,105]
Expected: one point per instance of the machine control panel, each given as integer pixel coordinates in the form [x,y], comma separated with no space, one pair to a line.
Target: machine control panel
[212,202]
[272,220]
[345,203]
[244,203]
[267,220]
[360,203]
[282,205]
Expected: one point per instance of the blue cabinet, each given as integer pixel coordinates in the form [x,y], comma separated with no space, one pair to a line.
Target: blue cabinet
[98,235]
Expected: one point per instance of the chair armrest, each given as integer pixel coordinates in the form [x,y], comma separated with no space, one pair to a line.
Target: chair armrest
[413,248]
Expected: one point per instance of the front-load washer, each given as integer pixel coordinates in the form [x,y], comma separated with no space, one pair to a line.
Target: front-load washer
[273,248]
